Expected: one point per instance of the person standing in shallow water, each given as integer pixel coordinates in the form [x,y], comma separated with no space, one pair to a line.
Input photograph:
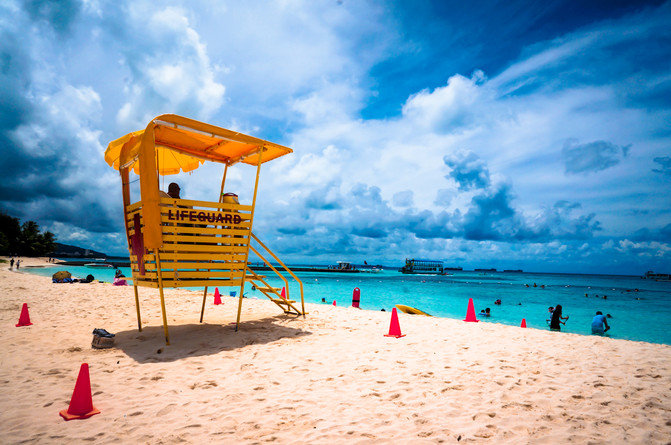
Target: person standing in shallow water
[557,318]
[599,323]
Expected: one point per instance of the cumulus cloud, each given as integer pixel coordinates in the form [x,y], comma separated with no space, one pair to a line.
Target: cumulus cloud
[647,234]
[169,69]
[58,14]
[467,170]
[664,165]
[450,107]
[403,199]
[591,157]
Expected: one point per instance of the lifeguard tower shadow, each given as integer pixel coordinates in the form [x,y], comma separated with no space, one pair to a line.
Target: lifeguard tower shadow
[197,339]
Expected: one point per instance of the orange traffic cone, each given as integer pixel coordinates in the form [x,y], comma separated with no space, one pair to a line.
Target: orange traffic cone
[217,296]
[470,312]
[81,403]
[524,323]
[394,327]
[284,293]
[24,318]
[334,303]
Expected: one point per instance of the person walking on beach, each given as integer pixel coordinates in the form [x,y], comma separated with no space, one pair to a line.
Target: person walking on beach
[599,323]
[557,318]
[18,263]
[11,264]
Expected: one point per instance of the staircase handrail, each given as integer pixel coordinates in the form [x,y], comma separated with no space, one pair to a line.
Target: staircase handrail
[286,283]
[300,283]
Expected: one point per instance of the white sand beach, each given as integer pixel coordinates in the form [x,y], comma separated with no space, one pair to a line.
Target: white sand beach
[329,378]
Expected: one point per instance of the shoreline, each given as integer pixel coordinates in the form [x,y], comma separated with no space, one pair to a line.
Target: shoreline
[330,377]
[41,262]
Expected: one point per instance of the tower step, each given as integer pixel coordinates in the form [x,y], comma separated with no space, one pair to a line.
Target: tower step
[268,289]
[253,277]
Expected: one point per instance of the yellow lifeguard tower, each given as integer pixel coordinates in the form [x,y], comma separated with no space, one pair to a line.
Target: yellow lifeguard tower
[187,243]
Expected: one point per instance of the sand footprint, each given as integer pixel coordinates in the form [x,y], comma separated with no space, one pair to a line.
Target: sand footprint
[166,410]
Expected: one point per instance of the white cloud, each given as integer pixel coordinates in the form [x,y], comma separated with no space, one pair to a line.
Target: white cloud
[169,67]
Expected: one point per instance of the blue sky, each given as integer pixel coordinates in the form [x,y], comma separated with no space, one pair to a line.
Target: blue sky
[531,135]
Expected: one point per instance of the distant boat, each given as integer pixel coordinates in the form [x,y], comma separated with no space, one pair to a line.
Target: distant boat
[422,267]
[513,270]
[650,275]
[98,265]
[485,270]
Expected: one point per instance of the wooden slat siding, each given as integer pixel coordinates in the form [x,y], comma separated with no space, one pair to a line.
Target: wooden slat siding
[202,283]
[195,253]
[188,202]
[204,240]
[132,207]
[186,275]
[182,224]
[228,208]
[241,229]
[195,265]
[244,217]
[195,256]
[143,283]
[192,282]
[212,248]
[194,273]
[202,231]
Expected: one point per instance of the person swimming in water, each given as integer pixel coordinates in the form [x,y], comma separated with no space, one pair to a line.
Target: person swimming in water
[557,318]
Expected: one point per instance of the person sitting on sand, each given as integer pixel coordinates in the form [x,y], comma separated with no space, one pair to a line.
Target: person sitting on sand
[599,323]
[557,318]
[118,273]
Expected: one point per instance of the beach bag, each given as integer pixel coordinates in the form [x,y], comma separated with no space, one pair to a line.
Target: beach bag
[99,342]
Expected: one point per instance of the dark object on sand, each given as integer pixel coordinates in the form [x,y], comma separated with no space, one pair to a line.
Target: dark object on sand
[102,339]
[102,342]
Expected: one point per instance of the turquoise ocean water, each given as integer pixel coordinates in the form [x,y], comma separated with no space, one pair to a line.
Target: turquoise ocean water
[636,315]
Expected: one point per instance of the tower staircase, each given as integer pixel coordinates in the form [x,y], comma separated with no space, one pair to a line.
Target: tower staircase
[287,305]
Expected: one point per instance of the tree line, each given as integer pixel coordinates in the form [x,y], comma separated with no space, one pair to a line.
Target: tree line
[24,239]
